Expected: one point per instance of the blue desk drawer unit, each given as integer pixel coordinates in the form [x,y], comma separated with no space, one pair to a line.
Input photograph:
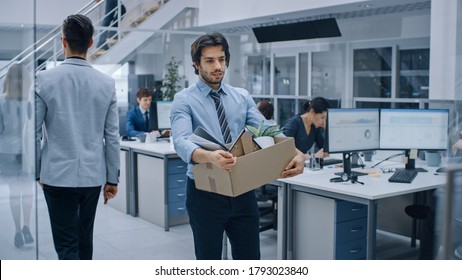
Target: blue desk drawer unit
[352,250]
[176,181]
[350,231]
[177,194]
[347,210]
[176,190]
[177,209]
[176,166]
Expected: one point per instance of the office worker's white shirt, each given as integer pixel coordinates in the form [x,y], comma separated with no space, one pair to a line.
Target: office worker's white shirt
[142,112]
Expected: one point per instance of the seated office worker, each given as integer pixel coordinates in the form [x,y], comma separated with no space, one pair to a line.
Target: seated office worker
[266,108]
[308,128]
[212,214]
[138,118]
[77,106]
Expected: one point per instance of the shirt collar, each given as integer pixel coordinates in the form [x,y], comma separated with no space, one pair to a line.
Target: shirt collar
[142,110]
[76,57]
[205,89]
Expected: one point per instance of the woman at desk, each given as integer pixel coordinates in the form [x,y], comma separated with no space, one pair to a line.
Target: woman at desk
[307,128]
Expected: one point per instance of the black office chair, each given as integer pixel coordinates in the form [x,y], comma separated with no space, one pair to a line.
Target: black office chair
[267,197]
[421,212]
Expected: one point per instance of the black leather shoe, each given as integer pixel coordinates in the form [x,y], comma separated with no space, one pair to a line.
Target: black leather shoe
[27,235]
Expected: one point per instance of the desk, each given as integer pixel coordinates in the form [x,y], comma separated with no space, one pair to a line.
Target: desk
[123,201]
[313,190]
[156,183]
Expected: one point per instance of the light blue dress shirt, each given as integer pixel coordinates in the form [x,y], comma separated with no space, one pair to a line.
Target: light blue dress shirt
[193,107]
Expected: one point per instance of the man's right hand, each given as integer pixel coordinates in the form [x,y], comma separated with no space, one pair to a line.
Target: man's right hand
[219,158]
[110,192]
[223,160]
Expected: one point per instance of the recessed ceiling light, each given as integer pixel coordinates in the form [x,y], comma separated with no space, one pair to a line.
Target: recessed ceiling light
[365,6]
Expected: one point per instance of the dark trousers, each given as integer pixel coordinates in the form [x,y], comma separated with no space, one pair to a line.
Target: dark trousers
[110,17]
[211,214]
[72,215]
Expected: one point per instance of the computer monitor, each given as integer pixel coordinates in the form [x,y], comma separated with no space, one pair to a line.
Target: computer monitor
[408,129]
[351,130]
[163,109]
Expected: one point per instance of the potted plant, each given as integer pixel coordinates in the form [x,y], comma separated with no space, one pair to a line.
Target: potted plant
[264,136]
[171,79]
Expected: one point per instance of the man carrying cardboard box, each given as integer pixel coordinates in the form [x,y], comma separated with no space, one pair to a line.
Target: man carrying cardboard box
[223,111]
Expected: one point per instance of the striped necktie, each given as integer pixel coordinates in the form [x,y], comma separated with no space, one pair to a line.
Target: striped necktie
[146,119]
[221,116]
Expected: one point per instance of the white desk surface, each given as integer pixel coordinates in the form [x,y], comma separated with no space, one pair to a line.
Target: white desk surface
[375,187]
[125,145]
[159,147]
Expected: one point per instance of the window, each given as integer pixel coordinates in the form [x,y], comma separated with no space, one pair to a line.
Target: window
[372,72]
[284,75]
[413,73]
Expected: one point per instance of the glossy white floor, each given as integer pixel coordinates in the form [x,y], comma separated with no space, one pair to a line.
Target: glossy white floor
[119,236]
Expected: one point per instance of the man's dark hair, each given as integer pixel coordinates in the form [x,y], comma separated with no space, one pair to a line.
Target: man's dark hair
[143,92]
[209,40]
[266,108]
[78,31]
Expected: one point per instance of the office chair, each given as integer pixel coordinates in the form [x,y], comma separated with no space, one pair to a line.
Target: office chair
[267,196]
[421,213]
[416,212]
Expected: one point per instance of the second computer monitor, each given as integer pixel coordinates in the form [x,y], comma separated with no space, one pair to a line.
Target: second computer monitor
[161,113]
[352,130]
[423,129]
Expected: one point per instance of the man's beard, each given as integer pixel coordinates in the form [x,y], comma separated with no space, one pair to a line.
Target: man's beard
[209,81]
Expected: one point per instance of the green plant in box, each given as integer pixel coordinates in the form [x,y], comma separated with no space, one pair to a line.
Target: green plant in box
[262,131]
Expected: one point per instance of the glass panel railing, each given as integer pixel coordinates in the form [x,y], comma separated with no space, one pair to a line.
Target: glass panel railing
[18,193]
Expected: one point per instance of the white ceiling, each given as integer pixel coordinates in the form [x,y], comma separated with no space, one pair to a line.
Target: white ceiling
[355,10]
[19,36]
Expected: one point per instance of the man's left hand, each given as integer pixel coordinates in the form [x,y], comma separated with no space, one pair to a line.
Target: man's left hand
[295,166]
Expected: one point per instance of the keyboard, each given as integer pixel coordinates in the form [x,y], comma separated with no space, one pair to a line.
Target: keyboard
[330,161]
[403,176]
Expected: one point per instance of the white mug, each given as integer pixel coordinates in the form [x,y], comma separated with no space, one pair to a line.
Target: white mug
[151,137]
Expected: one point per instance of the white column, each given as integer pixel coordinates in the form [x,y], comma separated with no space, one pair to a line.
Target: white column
[445,50]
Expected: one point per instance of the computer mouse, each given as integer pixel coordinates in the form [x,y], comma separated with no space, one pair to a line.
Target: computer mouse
[442,170]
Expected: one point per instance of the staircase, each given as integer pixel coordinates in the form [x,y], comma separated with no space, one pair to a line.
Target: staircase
[145,15]
[151,19]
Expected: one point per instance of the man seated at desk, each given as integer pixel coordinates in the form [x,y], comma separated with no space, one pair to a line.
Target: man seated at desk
[138,118]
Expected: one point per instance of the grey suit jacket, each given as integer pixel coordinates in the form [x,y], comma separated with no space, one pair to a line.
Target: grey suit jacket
[77,106]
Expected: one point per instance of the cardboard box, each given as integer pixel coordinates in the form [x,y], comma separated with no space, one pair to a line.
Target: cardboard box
[254,167]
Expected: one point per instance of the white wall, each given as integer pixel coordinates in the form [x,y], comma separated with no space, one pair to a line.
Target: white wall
[213,11]
[443,49]
[49,12]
